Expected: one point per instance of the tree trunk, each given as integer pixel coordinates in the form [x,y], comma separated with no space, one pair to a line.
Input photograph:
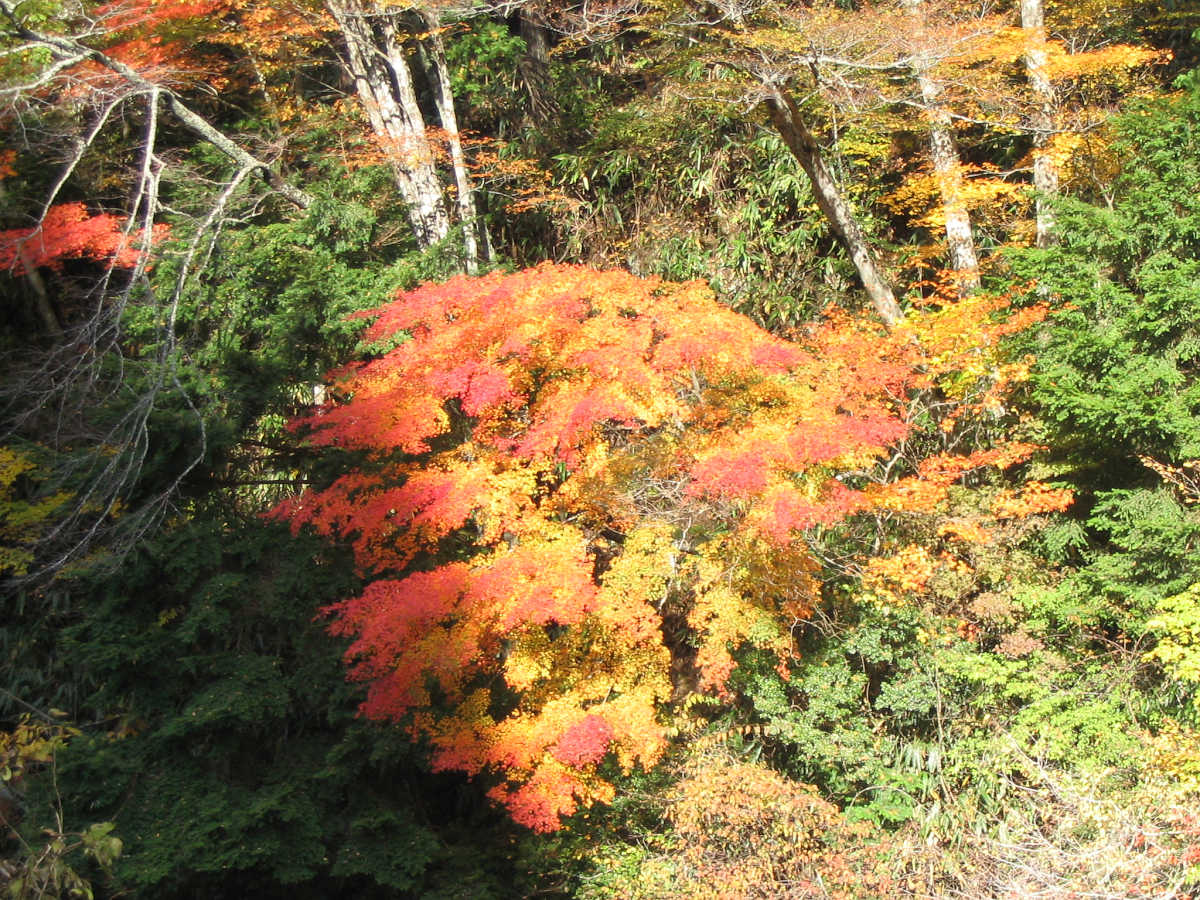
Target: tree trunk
[1045,170]
[535,65]
[41,297]
[383,80]
[786,116]
[947,167]
[444,98]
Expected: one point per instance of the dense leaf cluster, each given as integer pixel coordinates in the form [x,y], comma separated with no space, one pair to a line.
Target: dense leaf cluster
[638,599]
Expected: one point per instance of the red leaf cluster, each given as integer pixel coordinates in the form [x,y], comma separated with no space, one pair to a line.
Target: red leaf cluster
[69,231]
[585,742]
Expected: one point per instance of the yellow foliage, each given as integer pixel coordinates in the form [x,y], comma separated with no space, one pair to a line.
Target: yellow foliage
[1177,626]
[636,585]
[744,831]
[920,196]
[907,571]
[22,521]
[1033,498]
[30,744]
[745,592]
[1175,756]
[1112,61]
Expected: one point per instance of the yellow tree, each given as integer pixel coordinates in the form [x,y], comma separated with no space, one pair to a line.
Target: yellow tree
[1054,83]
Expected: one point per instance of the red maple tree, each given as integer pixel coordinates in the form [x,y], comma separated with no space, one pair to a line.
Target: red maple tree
[545,467]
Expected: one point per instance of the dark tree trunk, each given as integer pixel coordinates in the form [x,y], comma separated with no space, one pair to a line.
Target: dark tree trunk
[535,65]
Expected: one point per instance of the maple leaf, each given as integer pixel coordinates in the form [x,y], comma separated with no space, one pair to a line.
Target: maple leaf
[554,461]
[69,231]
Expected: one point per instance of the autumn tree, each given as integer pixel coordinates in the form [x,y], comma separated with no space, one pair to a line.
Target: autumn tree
[576,494]
[1051,84]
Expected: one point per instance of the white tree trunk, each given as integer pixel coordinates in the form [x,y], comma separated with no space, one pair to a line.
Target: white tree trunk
[947,165]
[375,58]
[1045,170]
[444,98]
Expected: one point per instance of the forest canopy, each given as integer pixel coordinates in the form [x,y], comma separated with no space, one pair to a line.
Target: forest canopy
[608,449]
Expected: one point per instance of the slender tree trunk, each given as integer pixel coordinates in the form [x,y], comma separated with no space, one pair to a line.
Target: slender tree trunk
[41,297]
[535,65]
[1045,170]
[947,166]
[384,82]
[800,141]
[467,210]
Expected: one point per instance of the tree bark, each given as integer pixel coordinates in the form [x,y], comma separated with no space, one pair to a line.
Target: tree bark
[383,80]
[947,165]
[535,64]
[1045,170]
[800,141]
[468,212]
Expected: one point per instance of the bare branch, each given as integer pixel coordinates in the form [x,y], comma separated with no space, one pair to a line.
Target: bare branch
[71,48]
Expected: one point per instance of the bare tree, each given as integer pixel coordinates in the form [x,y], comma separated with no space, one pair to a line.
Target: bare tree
[53,393]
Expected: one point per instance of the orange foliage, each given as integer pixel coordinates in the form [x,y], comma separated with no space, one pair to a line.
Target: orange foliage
[69,232]
[956,345]
[549,463]
[136,13]
[1034,498]
[154,37]
[909,569]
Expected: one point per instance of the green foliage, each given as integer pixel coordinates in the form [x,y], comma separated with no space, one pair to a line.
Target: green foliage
[483,55]
[231,748]
[46,860]
[49,869]
[1149,550]
[269,314]
[1177,625]
[1116,362]
[1116,394]
[225,744]
[857,716]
